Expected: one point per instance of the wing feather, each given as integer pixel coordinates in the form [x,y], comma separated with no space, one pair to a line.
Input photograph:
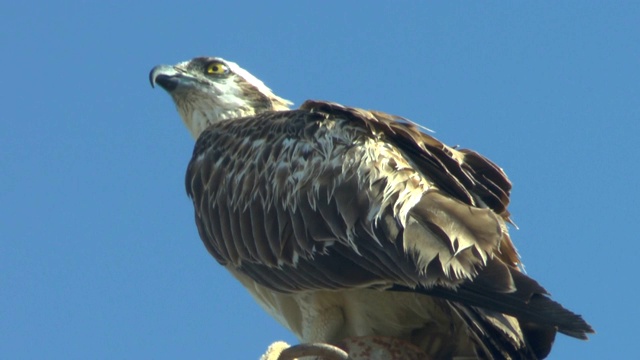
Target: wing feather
[284,245]
[330,215]
[257,230]
[274,232]
[330,197]
[318,231]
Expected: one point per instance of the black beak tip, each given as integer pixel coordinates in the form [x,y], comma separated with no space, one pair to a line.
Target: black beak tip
[151,80]
[169,83]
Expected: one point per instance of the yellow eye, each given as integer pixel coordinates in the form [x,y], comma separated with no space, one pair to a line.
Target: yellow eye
[217,68]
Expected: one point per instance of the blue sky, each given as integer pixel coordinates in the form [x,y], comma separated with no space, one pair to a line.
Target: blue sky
[99,253]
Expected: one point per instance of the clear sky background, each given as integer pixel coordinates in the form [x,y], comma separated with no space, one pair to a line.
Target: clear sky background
[99,254]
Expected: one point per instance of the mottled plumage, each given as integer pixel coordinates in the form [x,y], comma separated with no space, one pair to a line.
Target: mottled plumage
[344,222]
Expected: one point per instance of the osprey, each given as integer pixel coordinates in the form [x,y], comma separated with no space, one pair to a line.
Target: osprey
[343,222]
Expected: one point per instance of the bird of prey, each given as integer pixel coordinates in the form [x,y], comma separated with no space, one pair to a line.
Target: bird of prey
[343,222]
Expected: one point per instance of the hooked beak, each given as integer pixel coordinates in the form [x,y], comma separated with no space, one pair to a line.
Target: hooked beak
[166,76]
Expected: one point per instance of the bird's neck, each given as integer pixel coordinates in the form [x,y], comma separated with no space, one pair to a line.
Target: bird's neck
[198,116]
[197,121]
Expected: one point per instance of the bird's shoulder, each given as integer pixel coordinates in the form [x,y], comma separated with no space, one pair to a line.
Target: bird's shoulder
[461,173]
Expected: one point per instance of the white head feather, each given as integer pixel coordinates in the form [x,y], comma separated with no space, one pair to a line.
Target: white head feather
[203,98]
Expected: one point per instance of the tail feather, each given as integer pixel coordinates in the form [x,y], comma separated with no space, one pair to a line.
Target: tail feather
[490,311]
[529,304]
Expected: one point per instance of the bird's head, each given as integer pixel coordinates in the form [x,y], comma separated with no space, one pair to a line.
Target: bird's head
[208,89]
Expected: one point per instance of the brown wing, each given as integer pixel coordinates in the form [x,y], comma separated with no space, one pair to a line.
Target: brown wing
[463,174]
[330,197]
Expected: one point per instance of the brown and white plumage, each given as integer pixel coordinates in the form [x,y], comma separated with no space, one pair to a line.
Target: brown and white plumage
[343,222]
